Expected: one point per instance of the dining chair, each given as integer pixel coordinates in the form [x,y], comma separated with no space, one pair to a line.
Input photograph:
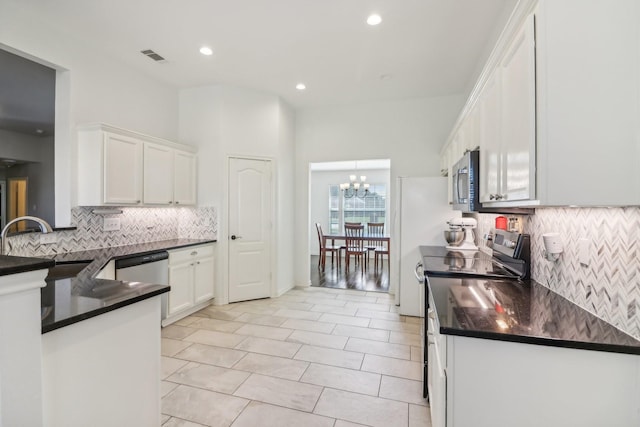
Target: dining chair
[324,248]
[378,247]
[354,239]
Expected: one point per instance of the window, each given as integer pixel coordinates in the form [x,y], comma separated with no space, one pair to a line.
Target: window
[372,208]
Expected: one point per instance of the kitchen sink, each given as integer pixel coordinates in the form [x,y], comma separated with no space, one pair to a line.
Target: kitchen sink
[66,270]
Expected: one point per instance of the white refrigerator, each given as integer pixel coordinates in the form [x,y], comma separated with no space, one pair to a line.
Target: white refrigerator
[420,218]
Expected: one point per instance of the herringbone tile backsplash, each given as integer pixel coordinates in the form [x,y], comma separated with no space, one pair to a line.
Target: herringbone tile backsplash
[609,286]
[137,225]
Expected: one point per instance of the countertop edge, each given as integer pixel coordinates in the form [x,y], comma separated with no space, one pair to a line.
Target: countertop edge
[548,342]
[36,264]
[93,313]
[150,251]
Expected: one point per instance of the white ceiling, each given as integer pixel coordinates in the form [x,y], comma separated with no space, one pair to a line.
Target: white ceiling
[424,48]
[427,47]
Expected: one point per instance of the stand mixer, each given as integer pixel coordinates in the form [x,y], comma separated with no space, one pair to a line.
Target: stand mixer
[467,225]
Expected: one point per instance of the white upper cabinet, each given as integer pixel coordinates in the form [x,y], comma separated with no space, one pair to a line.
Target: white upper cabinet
[119,167]
[490,139]
[169,176]
[508,123]
[518,118]
[558,107]
[122,169]
[588,65]
[158,174]
[184,178]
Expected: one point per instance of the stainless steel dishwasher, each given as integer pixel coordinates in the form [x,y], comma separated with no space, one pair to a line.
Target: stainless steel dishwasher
[147,268]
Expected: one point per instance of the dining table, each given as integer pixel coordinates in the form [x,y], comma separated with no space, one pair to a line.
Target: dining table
[367,238]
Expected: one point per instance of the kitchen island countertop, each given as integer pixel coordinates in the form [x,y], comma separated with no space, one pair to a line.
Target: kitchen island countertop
[16,264]
[68,300]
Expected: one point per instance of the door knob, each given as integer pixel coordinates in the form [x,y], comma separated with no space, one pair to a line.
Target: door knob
[234,237]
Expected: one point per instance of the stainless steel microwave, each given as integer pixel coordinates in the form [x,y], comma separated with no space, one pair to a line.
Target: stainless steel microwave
[464,179]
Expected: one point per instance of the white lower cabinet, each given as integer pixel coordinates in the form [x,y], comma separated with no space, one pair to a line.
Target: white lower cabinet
[437,374]
[181,281]
[100,372]
[191,277]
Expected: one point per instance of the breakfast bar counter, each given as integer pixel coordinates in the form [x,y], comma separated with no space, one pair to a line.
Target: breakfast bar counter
[79,295]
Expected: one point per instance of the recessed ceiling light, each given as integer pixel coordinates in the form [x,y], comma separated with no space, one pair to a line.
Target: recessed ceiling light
[301,86]
[374,19]
[205,50]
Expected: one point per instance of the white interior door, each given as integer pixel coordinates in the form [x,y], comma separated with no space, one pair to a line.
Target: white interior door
[250,189]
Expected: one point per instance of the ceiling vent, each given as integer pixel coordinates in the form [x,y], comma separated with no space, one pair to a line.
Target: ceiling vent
[151,54]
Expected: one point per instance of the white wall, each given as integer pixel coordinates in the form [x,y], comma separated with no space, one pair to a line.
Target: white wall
[409,132]
[39,151]
[225,121]
[319,198]
[90,87]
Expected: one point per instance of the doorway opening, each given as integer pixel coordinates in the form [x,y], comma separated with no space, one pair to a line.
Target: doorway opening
[355,191]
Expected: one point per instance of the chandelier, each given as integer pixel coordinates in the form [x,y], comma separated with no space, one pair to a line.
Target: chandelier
[354,188]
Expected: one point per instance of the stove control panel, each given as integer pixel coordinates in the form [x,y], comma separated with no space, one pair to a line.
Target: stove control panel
[507,243]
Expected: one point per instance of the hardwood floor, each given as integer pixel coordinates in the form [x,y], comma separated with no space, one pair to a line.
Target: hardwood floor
[332,277]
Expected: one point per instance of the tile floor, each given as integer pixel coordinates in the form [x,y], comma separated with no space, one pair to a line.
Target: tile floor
[312,357]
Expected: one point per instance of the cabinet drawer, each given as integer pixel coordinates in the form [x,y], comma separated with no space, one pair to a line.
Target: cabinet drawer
[192,252]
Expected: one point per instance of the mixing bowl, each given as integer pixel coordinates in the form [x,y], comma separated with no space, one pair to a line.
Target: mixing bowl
[454,237]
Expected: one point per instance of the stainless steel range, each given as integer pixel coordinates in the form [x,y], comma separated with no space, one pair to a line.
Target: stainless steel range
[511,259]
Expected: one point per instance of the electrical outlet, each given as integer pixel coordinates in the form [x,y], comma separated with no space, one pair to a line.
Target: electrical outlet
[583,251]
[49,238]
[111,224]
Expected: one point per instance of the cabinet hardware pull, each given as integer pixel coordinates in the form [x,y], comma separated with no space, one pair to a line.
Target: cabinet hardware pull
[194,253]
[177,203]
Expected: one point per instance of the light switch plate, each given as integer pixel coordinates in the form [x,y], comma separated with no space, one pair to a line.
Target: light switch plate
[48,238]
[583,251]
[111,224]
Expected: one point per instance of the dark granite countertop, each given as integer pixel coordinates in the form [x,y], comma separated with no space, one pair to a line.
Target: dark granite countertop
[17,264]
[526,312]
[68,300]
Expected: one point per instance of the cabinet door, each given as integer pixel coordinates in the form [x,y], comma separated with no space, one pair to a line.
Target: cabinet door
[437,379]
[490,139]
[158,174]
[518,116]
[184,184]
[472,125]
[122,169]
[203,279]
[181,282]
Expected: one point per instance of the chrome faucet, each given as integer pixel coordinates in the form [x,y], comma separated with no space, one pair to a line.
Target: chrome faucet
[44,227]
